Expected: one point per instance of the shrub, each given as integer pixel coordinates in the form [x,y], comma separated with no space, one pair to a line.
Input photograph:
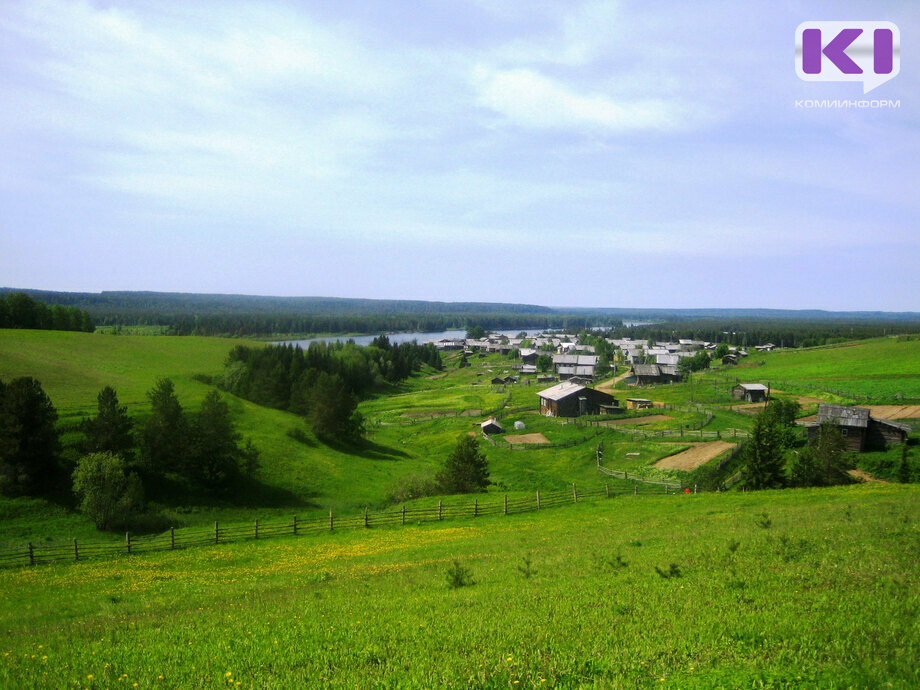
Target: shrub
[107,494]
[459,576]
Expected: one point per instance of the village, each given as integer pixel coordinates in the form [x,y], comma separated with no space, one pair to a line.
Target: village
[574,368]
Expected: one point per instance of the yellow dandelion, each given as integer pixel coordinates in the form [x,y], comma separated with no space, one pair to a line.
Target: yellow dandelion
[89,677]
[228,674]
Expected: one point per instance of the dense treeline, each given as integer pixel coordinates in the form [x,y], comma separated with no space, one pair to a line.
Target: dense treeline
[269,324]
[119,458]
[19,310]
[780,332]
[323,382]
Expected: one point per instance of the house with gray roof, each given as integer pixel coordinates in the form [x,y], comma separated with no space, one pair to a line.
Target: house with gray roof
[861,430]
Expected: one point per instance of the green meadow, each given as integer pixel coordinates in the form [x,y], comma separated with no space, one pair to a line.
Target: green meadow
[411,427]
[806,588]
[794,588]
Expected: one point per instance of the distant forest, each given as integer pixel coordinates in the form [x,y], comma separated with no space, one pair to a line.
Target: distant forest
[19,310]
[248,315]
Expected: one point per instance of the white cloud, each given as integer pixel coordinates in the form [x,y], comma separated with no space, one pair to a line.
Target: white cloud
[528,98]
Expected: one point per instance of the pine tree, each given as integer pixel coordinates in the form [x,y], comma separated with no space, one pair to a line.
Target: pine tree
[29,441]
[110,431]
[164,438]
[765,450]
[466,470]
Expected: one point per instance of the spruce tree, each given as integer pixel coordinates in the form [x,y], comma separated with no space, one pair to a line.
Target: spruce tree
[466,470]
[110,431]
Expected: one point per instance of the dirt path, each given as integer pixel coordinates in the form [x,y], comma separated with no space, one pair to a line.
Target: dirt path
[863,476]
[700,454]
[610,383]
[527,438]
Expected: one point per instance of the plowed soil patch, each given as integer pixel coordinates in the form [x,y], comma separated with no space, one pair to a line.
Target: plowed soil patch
[700,454]
[527,438]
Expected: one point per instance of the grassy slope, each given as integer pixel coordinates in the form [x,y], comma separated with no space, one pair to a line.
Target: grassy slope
[826,596]
[407,435]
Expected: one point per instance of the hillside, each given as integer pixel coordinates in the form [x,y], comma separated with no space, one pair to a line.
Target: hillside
[807,588]
[412,427]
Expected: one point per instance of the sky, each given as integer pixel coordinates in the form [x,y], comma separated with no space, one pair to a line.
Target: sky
[594,154]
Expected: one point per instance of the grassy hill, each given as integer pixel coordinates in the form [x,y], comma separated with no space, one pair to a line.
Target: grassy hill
[806,588]
[412,427]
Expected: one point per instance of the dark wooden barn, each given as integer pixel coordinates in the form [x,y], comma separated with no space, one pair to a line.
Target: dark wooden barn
[859,428]
[569,399]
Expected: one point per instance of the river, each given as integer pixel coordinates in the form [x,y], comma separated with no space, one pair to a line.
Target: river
[397,338]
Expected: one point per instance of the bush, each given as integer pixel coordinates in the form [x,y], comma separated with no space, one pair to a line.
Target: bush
[458,576]
[107,494]
[413,486]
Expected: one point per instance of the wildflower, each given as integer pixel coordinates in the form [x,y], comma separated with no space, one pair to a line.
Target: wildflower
[228,674]
[89,677]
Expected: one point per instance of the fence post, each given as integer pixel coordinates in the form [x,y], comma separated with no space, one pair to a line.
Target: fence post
[694,488]
[257,528]
[635,489]
[404,514]
[295,525]
[538,499]
[76,551]
[331,520]
[172,538]
[574,493]
[439,510]
[365,516]
[607,489]
[31,554]
[128,541]
[506,504]
[216,533]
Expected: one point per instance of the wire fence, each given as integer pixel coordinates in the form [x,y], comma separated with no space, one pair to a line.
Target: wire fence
[175,539]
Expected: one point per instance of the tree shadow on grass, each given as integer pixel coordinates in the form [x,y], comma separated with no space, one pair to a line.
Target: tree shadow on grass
[172,492]
[366,448]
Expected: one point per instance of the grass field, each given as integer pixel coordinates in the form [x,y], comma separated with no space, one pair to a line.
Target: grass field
[808,588]
[411,428]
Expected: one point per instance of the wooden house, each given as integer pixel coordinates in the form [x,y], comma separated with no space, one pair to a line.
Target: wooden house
[860,429]
[569,399]
[752,392]
[655,373]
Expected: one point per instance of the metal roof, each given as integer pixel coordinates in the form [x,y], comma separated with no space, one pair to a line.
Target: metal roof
[753,386]
[561,390]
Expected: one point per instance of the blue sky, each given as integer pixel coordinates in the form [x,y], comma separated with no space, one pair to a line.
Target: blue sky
[611,154]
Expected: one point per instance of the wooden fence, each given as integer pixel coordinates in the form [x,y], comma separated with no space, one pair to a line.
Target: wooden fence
[35,554]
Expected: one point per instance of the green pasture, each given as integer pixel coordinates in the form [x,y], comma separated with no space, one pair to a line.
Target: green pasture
[411,427]
[795,589]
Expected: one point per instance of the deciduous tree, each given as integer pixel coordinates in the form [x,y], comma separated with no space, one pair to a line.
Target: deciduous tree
[107,494]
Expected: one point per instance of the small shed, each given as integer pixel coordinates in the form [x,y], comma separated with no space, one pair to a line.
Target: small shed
[491,426]
[752,392]
[638,404]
